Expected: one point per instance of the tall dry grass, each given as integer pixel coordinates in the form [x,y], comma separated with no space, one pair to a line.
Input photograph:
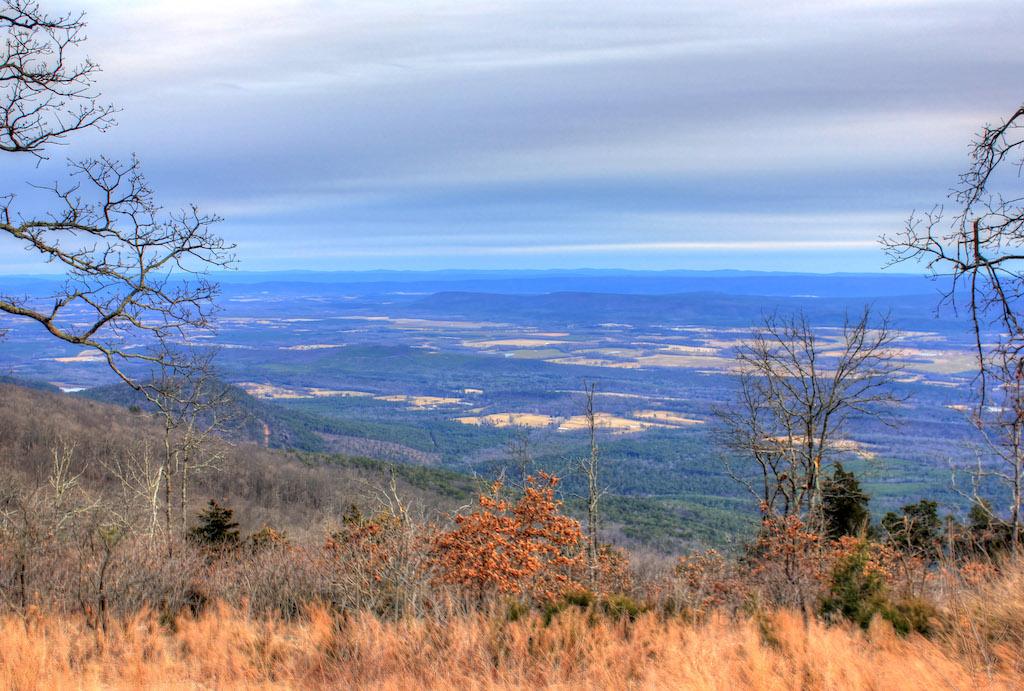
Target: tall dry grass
[223,648]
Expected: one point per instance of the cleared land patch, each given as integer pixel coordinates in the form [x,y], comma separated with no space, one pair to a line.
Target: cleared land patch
[606,421]
[689,350]
[594,362]
[84,356]
[271,391]
[694,361]
[313,346]
[666,416]
[511,343]
[509,420]
[420,401]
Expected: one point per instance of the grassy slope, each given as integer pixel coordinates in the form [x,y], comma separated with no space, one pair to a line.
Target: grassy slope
[322,650]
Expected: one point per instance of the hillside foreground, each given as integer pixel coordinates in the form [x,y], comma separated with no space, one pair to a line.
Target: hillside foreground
[225,648]
[490,597]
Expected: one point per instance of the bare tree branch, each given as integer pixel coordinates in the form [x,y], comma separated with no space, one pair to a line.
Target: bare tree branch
[980,248]
[45,95]
[795,395]
[980,251]
[136,284]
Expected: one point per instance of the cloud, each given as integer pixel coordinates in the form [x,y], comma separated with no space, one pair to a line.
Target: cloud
[513,119]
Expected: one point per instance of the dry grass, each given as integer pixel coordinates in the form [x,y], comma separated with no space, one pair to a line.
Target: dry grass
[83,356]
[278,392]
[511,342]
[605,421]
[509,419]
[666,416]
[419,401]
[688,350]
[611,423]
[272,392]
[225,649]
[719,364]
[594,362]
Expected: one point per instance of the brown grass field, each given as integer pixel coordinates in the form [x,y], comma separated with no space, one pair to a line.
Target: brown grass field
[509,419]
[604,421]
[609,422]
[511,343]
[419,401]
[225,649]
[720,364]
[666,416]
[594,362]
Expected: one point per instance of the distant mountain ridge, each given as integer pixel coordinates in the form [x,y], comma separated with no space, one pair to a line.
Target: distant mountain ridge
[602,281]
[909,312]
[399,283]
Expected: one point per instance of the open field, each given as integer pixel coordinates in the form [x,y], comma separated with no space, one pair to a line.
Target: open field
[510,420]
[227,648]
[268,391]
[666,416]
[511,343]
[604,421]
[610,423]
[81,357]
[692,361]
[594,362]
[420,401]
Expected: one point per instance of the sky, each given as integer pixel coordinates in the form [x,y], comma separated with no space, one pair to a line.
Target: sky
[487,134]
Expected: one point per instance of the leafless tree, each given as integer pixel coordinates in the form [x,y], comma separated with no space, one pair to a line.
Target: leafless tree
[196,409]
[45,94]
[520,453]
[37,522]
[135,286]
[139,471]
[589,468]
[1001,426]
[796,393]
[979,248]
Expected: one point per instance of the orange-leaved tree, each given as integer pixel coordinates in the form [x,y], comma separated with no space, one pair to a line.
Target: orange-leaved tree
[503,548]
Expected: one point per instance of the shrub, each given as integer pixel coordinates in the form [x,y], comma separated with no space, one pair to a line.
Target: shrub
[857,592]
[618,606]
[526,548]
[216,527]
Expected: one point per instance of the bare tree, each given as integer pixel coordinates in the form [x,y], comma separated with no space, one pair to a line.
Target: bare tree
[589,468]
[796,393]
[196,410]
[123,256]
[979,247]
[37,522]
[139,471]
[44,94]
[1001,425]
[520,452]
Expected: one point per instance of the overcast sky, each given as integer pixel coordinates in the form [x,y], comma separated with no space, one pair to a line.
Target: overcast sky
[654,134]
